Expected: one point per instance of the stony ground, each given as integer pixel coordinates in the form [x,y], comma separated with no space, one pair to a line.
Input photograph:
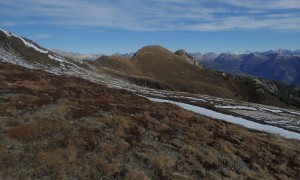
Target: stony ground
[59,127]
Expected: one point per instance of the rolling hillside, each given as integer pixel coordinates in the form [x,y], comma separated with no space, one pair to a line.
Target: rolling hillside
[160,64]
[117,64]
[65,127]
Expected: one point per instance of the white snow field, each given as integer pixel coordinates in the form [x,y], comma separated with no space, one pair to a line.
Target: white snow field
[232,119]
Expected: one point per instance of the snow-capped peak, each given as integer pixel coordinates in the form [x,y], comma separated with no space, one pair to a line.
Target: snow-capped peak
[233,53]
[247,52]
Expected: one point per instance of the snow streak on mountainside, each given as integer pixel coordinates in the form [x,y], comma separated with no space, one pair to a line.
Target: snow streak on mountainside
[28,44]
[56,58]
[11,57]
[8,34]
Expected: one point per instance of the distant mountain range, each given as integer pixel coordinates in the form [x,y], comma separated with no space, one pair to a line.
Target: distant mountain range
[78,56]
[89,56]
[281,65]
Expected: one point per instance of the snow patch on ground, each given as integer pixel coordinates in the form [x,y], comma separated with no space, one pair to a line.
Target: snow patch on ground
[291,112]
[232,119]
[56,58]
[7,56]
[195,99]
[237,107]
[271,110]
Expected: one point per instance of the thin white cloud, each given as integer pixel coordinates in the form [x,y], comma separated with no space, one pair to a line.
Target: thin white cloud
[264,4]
[243,23]
[152,15]
[8,23]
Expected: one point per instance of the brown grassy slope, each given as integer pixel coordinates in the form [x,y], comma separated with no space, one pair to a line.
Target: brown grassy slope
[160,64]
[117,64]
[59,127]
[120,67]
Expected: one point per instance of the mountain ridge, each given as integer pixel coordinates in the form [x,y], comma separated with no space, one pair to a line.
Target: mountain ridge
[273,64]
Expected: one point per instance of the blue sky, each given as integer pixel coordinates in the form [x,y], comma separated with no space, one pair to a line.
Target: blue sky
[110,26]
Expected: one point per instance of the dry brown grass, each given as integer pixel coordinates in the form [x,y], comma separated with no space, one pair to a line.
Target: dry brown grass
[7,159]
[35,129]
[51,162]
[82,130]
[162,162]
[168,70]
[136,175]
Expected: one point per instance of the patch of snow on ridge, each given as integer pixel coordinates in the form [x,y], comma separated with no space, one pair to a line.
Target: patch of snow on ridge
[196,99]
[237,107]
[6,56]
[56,58]
[6,32]
[232,119]
[271,110]
[28,44]
[294,113]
